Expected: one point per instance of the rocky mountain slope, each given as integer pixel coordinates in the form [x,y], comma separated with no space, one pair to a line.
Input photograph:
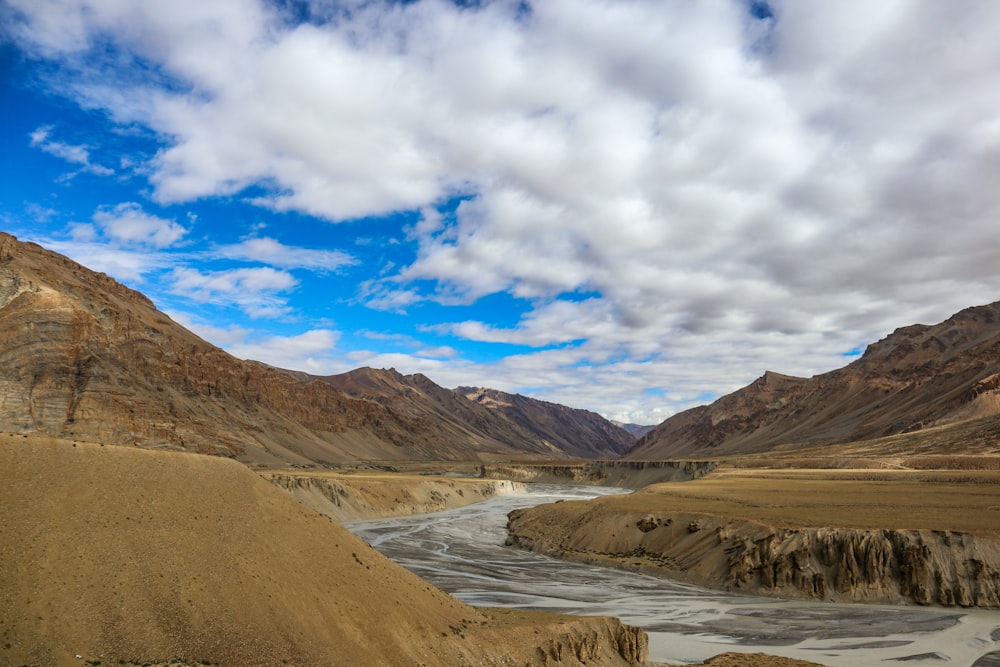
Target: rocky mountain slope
[637,430]
[120,556]
[423,402]
[577,432]
[918,376]
[86,357]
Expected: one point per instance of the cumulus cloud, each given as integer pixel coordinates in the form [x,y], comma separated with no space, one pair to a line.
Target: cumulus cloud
[736,190]
[256,291]
[313,351]
[129,265]
[128,224]
[274,253]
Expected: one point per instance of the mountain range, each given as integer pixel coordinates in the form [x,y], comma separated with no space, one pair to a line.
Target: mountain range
[86,357]
[917,377]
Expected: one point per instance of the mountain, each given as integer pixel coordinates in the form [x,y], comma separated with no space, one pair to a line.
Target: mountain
[917,377]
[86,357]
[122,556]
[459,424]
[579,433]
[637,430]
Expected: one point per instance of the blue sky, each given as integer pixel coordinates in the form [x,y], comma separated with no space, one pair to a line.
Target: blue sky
[626,207]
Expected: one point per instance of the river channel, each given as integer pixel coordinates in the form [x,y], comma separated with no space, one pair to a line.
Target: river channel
[461,551]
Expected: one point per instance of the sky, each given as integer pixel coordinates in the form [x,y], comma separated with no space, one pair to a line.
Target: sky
[632,207]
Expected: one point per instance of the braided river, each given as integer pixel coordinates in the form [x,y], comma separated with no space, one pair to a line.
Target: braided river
[462,552]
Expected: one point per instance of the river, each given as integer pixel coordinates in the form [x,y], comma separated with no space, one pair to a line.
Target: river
[461,551]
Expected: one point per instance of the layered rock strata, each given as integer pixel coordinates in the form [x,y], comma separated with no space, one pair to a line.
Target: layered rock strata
[356,497]
[838,564]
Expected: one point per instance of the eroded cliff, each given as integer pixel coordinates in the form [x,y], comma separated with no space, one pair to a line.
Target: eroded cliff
[356,497]
[841,564]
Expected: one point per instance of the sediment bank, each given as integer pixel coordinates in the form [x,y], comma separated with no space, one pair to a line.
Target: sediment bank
[356,497]
[626,474]
[895,566]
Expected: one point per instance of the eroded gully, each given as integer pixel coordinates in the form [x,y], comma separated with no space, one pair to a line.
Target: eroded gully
[462,552]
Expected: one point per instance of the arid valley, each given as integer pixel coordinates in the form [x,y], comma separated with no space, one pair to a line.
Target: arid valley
[499,333]
[166,503]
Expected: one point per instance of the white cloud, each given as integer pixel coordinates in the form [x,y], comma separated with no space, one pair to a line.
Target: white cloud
[221,336]
[313,351]
[256,291]
[730,195]
[128,224]
[127,265]
[269,251]
[74,154]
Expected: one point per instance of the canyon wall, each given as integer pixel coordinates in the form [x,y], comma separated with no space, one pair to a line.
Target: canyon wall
[627,474]
[358,497]
[837,564]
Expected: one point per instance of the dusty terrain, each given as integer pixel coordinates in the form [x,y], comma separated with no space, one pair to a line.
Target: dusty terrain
[368,495]
[895,536]
[126,556]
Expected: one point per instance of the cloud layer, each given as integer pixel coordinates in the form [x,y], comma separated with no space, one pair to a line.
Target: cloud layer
[684,194]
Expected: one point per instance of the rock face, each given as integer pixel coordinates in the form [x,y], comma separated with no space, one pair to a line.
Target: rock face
[916,377]
[85,357]
[579,433]
[841,564]
[627,474]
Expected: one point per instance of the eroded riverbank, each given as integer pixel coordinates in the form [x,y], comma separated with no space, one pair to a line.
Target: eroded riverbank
[353,497]
[803,534]
[462,552]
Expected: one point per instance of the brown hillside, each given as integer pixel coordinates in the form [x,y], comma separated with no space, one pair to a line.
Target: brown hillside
[457,422]
[580,433]
[116,555]
[918,376]
[85,357]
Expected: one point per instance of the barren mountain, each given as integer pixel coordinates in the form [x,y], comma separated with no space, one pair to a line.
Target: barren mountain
[637,430]
[918,376]
[85,357]
[119,556]
[577,432]
[457,421]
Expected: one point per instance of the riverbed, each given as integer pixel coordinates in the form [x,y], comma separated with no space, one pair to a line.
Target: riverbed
[462,552]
